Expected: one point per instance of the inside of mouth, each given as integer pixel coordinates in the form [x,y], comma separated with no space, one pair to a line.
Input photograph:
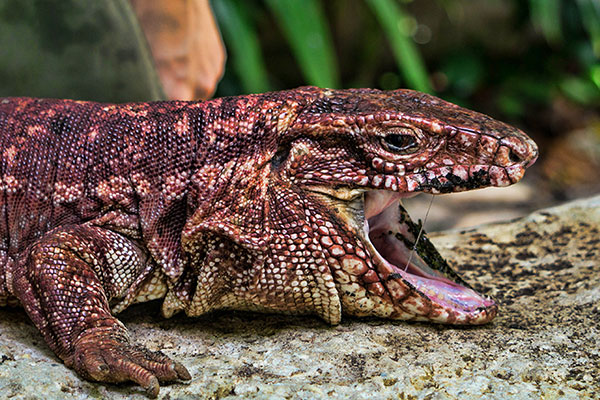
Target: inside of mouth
[388,228]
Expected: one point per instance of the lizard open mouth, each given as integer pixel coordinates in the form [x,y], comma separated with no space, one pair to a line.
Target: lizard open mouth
[390,236]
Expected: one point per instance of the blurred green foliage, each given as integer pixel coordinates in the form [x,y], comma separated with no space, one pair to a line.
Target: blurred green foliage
[303,24]
[243,41]
[307,32]
[507,58]
[510,58]
[396,26]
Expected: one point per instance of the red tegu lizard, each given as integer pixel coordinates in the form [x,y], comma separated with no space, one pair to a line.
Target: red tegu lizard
[280,202]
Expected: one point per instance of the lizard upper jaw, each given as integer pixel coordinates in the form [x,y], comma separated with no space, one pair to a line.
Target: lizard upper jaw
[390,235]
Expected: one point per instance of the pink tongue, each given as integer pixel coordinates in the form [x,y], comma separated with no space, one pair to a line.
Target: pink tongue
[452,295]
[432,284]
[445,291]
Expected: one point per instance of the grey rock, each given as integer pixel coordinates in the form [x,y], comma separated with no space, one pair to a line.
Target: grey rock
[543,269]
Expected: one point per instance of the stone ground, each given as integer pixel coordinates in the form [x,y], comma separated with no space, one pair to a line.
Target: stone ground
[543,269]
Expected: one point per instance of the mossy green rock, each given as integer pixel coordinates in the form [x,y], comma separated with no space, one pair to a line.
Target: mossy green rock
[84,50]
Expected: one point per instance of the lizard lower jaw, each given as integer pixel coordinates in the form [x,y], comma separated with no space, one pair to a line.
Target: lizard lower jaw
[421,291]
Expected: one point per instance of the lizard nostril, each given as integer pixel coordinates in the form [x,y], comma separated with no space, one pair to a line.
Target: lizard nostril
[514,157]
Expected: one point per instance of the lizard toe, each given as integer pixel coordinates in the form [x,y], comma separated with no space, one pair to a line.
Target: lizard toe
[182,372]
[113,359]
[163,367]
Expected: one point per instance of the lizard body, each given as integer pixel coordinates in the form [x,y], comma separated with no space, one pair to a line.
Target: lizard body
[281,202]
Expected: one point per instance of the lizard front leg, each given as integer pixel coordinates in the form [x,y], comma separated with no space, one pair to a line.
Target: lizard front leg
[65,285]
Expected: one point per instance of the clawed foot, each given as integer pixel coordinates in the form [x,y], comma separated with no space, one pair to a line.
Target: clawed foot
[110,357]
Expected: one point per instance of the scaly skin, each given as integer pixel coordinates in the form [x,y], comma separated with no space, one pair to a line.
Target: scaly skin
[285,201]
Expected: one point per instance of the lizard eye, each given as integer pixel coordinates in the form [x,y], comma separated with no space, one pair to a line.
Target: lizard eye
[280,156]
[401,142]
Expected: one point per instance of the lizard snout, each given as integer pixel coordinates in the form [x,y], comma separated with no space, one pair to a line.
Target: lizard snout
[515,151]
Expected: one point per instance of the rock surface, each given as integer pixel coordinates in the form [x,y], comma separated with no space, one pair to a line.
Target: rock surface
[543,269]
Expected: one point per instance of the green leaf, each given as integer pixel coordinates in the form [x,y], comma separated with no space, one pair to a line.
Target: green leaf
[590,15]
[243,43]
[595,74]
[580,90]
[511,105]
[304,26]
[545,15]
[465,72]
[395,23]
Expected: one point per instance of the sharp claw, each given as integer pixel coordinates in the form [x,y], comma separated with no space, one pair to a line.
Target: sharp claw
[95,368]
[152,388]
[182,372]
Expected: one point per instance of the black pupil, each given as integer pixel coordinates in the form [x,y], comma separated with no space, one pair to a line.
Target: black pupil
[400,143]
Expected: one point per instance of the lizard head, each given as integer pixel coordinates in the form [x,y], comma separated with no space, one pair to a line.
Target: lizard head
[356,153]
